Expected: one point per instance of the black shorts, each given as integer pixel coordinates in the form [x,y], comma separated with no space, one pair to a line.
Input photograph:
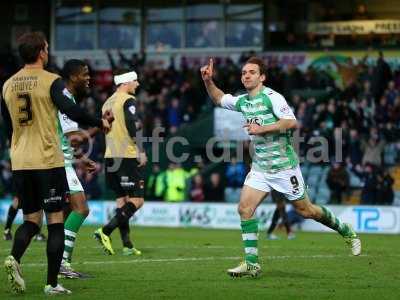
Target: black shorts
[124,177]
[40,189]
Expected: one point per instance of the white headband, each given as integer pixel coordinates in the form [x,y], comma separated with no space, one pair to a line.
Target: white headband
[125,78]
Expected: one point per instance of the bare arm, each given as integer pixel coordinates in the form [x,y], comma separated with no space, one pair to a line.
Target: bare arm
[76,138]
[213,91]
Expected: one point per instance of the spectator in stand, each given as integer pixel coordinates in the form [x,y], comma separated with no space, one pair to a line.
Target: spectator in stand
[155,184]
[214,190]
[235,173]
[369,191]
[385,188]
[354,152]
[391,93]
[381,76]
[373,151]
[274,74]
[174,116]
[197,189]
[349,72]
[394,113]
[176,183]
[292,80]
[338,182]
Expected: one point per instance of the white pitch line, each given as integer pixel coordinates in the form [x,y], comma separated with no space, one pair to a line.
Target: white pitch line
[166,260]
[184,247]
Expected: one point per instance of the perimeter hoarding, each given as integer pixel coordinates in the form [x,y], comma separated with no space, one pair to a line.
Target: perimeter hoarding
[365,219]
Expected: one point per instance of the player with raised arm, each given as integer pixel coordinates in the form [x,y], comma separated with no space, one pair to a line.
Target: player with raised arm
[275,165]
[124,162]
[29,104]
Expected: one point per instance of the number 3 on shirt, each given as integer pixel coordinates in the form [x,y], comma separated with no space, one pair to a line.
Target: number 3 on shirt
[25,110]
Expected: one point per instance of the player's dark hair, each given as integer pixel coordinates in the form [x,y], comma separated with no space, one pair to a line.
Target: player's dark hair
[72,67]
[258,61]
[29,46]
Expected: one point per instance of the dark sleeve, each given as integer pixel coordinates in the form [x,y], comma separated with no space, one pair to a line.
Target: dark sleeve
[6,118]
[130,117]
[68,107]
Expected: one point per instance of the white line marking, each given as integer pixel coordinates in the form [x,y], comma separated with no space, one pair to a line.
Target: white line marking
[136,261]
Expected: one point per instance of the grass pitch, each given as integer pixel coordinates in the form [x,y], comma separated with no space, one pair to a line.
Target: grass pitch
[190,263]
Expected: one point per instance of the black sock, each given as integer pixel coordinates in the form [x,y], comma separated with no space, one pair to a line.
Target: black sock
[124,231]
[274,221]
[113,223]
[12,212]
[123,214]
[55,249]
[127,211]
[23,237]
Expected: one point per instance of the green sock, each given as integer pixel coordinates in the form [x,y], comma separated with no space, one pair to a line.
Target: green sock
[250,239]
[71,228]
[331,221]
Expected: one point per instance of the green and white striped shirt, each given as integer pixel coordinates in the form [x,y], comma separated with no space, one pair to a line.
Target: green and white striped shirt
[66,125]
[273,152]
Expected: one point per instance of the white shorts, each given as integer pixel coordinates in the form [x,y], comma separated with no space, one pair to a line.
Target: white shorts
[74,185]
[288,182]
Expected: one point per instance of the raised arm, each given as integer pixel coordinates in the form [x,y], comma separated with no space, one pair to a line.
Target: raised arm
[213,91]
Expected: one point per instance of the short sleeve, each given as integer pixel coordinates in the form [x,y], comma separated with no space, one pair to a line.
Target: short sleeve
[280,107]
[229,102]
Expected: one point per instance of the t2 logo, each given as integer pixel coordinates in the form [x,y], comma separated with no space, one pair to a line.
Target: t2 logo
[367,218]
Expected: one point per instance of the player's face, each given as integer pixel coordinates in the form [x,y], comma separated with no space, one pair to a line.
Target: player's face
[82,79]
[251,77]
[133,86]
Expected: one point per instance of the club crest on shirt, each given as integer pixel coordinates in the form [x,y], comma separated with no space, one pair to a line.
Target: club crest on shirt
[285,109]
[132,109]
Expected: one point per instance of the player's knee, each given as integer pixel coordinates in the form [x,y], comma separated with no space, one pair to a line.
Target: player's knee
[138,202]
[82,209]
[26,232]
[245,211]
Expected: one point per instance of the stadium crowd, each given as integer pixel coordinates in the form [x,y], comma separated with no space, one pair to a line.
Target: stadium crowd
[362,105]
